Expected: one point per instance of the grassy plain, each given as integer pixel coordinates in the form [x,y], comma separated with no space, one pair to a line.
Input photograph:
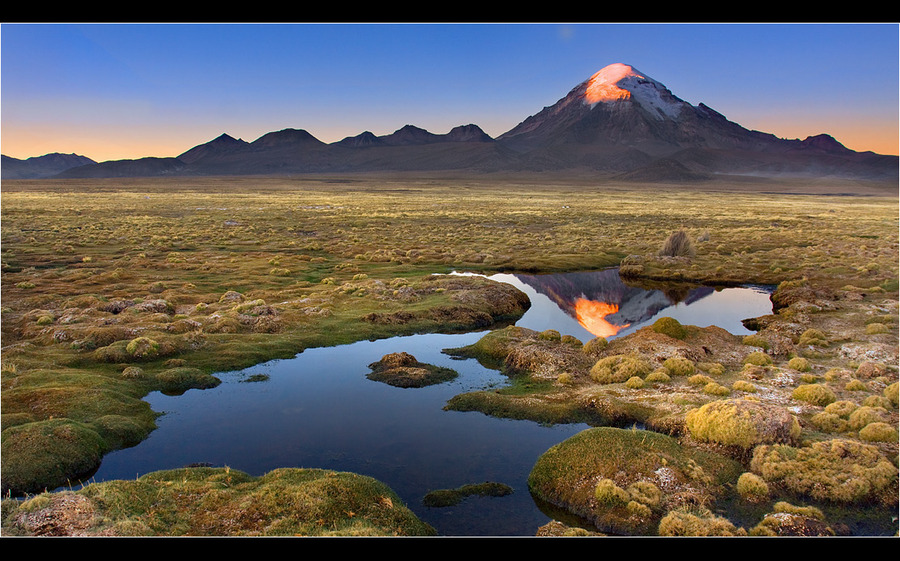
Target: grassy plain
[114,288]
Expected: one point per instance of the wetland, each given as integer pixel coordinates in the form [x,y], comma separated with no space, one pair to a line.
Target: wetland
[228,324]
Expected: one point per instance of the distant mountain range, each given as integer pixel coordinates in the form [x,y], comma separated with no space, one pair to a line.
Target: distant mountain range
[618,124]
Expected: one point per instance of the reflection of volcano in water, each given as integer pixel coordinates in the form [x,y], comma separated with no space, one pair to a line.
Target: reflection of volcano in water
[603,304]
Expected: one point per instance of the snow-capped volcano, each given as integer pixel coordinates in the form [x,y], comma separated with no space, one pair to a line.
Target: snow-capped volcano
[621,82]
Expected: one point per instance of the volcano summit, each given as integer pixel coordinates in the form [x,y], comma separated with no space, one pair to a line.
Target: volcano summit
[618,124]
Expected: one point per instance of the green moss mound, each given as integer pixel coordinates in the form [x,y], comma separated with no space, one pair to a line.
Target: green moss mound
[585,475]
[221,502]
[48,454]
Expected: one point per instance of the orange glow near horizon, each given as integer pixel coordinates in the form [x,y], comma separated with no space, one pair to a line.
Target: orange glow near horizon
[592,316]
[602,85]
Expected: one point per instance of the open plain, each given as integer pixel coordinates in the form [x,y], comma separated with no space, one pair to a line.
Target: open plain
[114,288]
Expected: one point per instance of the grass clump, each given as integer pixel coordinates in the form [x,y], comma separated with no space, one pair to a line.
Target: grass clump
[619,368]
[451,497]
[813,337]
[634,383]
[678,244]
[878,432]
[865,415]
[758,358]
[658,376]
[671,327]
[816,394]
[679,366]
[838,470]
[595,345]
[752,487]
[755,340]
[799,364]
[743,386]
[741,423]
[694,521]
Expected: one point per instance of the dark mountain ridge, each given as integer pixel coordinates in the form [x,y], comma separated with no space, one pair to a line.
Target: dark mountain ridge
[618,124]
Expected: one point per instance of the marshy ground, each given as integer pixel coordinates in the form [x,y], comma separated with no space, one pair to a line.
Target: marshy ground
[115,288]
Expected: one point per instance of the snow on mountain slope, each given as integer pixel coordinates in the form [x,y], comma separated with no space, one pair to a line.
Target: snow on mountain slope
[618,82]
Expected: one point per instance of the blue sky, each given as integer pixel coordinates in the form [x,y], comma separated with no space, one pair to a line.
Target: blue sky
[115,91]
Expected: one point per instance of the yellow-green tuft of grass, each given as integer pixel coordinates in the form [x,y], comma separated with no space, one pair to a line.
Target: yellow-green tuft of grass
[679,366]
[815,394]
[838,470]
[634,383]
[741,423]
[758,358]
[813,337]
[878,432]
[697,521]
[607,492]
[799,364]
[595,345]
[619,368]
[743,386]
[752,487]
[755,340]
[658,376]
[669,326]
[865,415]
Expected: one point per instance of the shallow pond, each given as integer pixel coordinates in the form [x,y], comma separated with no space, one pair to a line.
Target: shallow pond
[319,410]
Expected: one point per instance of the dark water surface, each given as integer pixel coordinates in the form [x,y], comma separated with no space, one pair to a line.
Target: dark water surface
[319,410]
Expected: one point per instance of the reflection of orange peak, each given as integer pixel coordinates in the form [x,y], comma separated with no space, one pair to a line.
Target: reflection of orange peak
[592,316]
[602,85]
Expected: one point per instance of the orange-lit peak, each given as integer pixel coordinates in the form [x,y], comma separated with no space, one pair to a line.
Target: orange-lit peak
[592,316]
[602,85]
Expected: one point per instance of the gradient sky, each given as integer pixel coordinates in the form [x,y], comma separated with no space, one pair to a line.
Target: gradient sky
[122,91]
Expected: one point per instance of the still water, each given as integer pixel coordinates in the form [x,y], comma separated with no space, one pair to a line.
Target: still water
[319,410]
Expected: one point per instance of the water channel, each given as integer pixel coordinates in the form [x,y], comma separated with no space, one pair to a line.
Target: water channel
[319,410]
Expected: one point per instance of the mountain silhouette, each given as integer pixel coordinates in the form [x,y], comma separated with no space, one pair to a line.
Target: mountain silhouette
[618,124]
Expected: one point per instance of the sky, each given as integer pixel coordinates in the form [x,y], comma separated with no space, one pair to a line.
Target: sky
[117,91]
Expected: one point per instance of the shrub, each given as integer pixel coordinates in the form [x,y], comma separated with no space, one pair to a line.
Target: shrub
[815,394]
[670,326]
[878,432]
[679,366]
[799,364]
[678,244]
[752,487]
[875,328]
